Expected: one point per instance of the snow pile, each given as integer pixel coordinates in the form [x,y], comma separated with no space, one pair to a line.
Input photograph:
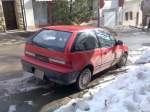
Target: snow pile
[145,58]
[139,56]
[128,93]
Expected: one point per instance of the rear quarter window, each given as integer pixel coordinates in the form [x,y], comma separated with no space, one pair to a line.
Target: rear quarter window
[85,41]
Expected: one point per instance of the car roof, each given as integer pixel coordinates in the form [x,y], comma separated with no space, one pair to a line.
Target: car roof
[70,28]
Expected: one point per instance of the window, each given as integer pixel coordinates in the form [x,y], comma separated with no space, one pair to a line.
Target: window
[126,16]
[129,16]
[86,41]
[105,39]
[52,39]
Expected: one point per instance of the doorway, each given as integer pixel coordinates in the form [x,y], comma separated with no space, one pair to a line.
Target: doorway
[9,14]
[40,13]
[110,18]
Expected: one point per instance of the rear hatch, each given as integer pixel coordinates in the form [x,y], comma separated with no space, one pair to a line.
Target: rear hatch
[49,46]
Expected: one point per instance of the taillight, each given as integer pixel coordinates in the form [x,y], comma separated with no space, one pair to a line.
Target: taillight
[29,53]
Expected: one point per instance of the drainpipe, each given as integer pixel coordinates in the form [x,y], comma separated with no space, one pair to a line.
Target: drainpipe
[23,14]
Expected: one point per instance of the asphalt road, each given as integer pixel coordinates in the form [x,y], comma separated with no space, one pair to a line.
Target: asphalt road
[136,39]
[24,95]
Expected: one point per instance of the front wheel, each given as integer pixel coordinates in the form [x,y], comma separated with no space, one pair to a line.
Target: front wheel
[122,61]
[83,79]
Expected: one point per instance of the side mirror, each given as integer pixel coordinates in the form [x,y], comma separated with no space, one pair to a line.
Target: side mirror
[119,42]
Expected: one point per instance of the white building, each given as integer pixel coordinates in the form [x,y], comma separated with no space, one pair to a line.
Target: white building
[132,14]
[111,14]
[145,7]
[37,13]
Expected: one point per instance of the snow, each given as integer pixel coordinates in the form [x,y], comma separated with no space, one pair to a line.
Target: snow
[128,93]
[136,56]
[12,108]
[21,84]
[29,102]
[145,58]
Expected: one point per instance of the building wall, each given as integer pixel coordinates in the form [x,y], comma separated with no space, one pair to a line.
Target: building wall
[132,6]
[145,7]
[40,10]
[37,13]
[111,14]
[29,14]
[19,16]
[2,20]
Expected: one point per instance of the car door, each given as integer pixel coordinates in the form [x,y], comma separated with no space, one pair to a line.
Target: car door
[86,50]
[107,49]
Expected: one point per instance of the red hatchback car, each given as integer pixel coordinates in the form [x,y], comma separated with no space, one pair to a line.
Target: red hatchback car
[72,54]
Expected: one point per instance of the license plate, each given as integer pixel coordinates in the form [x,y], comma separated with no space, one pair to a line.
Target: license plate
[39,74]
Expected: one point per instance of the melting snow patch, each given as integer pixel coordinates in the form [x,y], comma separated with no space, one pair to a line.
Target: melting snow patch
[12,108]
[23,84]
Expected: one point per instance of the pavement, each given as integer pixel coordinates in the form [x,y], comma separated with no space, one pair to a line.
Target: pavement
[20,91]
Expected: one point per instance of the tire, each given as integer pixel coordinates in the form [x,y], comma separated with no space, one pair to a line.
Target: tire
[123,61]
[83,79]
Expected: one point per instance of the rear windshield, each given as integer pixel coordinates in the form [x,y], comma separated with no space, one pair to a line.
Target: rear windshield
[52,39]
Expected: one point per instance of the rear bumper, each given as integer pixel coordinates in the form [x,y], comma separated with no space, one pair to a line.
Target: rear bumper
[61,78]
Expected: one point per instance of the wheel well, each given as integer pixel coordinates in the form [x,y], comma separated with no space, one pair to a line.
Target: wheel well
[90,67]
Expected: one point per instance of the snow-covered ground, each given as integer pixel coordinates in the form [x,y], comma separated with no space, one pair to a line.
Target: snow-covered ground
[128,93]
[139,56]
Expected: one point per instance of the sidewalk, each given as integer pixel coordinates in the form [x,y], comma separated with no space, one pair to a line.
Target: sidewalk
[14,38]
[11,49]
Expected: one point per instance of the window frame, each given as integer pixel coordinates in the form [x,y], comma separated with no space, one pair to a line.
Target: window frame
[110,36]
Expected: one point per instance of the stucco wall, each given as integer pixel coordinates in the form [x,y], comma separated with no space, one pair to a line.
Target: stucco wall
[146,7]
[134,7]
[29,15]
[2,21]
[19,15]
[111,7]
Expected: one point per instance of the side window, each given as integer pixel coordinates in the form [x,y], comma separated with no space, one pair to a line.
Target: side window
[86,41]
[105,39]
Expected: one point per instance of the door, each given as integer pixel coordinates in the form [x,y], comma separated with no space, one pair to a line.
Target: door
[86,50]
[107,44]
[110,18]
[9,14]
[40,13]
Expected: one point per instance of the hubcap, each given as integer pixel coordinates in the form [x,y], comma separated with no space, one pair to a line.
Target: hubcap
[84,79]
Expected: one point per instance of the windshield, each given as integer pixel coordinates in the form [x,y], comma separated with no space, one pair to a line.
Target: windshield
[52,39]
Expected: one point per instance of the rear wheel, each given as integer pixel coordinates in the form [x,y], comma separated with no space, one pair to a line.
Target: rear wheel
[122,61]
[84,79]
